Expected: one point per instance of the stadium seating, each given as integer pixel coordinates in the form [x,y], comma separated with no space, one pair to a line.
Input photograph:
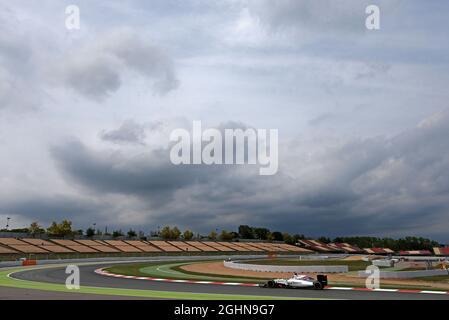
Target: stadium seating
[234,246]
[165,246]
[49,246]
[201,245]
[143,246]
[319,246]
[415,253]
[250,247]
[269,247]
[76,247]
[292,248]
[443,251]
[97,246]
[4,250]
[378,250]
[122,246]
[218,246]
[184,246]
[21,246]
[346,247]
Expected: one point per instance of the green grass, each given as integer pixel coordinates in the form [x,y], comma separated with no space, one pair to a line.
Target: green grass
[352,265]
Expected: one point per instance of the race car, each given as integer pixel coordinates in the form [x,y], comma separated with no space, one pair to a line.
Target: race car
[298,281]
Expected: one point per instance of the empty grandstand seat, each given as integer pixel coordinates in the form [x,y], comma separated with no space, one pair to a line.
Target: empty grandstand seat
[201,246]
[441,251]
[21,246]
[165,246]
[97,246]
[183,246]
[49,246]
[143,246]
[218,246]
[4,250]
[319,246]
[234,245]
[415,253]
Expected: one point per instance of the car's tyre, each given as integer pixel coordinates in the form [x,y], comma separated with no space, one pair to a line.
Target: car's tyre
[271,284]
[318,285]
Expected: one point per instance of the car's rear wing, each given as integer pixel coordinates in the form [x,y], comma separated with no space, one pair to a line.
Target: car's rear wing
[321,278]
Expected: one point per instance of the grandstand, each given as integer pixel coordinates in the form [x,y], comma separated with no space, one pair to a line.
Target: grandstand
[267,247]
[49,246]
[122,246]
[443,251]
[62,246]
[76,247]
[143,246]
[250,247]
[319,246]
[184,246]
[346,247]
[202,246]
[165,246]
[235,246]
[219,246]
[378,250]
[415,253]
[4,250]
[292,248]
[21,246]
[97,246]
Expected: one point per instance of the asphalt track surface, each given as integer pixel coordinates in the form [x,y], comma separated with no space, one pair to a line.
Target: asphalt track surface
[89,278]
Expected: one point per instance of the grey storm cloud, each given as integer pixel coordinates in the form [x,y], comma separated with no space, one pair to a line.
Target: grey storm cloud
[394,185]
[346,102]
[55,208]
[97,69]
[129,132]
[17,70]
[324,15]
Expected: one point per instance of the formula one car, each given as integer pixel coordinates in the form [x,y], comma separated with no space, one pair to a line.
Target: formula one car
[298,281]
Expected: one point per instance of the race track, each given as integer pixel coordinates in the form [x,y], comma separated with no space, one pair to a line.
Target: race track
[55,275]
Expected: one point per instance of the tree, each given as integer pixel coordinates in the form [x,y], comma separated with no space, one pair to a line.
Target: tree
[90,232]
[212,235]
[35,229]
[132,234]
[261,233]
[298,237]
[324,240]
[187,235]
[175,233]
[277,236]
[225,236]
[60,229]
[246,232]
[117,234]
[165,233]
[66,228]
[288,238]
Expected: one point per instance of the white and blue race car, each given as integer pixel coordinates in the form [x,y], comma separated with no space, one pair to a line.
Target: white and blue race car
[298,281]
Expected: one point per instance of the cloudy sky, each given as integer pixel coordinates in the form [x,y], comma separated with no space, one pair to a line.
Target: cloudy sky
[363,116]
